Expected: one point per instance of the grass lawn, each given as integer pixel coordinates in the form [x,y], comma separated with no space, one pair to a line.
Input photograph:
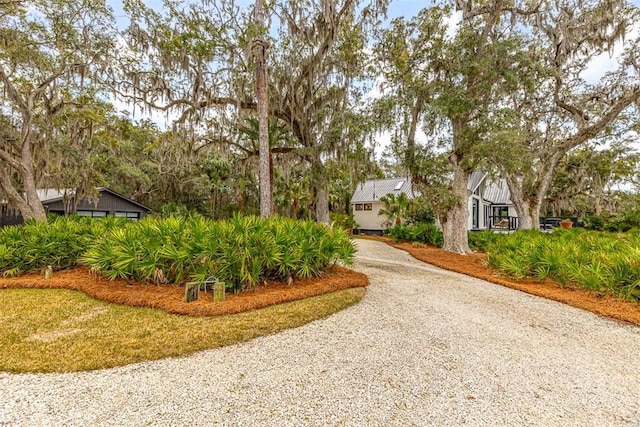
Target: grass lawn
[57,330]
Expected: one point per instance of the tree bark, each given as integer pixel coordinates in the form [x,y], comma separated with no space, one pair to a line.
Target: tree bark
[259,49]
[410,155]
[322,204]
[454,223]
[321,192]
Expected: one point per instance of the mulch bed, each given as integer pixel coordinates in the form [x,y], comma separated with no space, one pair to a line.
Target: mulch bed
[170,298]
[474,265]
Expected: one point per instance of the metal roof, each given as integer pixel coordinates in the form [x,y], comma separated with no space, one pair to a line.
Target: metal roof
[371,191]
[47,195]
[497,192]
[475,179]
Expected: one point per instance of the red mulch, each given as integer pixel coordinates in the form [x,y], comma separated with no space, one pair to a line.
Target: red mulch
[474,265]
[171,297]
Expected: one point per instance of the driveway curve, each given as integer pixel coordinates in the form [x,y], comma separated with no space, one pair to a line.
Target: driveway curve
[425,347]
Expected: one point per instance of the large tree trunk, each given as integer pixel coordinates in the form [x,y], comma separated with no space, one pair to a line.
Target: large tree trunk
[524,208]
[322,203]
[410,154]
[27,202]
[259,48]
[320,190]
[528,200]
[14,198]
[30,182]
[454,223]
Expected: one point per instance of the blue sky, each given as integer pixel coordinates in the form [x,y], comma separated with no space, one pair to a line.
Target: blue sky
[396,7]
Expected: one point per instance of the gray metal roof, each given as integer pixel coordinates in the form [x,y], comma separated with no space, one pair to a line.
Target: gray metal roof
[371,191]
[497,192]
[51,194]
[475,180]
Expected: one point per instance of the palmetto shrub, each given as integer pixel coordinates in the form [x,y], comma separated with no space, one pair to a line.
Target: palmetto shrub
[58,242]
[603,262]
[243,251]
[420,232]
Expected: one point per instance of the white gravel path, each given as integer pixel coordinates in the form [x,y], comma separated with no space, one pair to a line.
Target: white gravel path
[425,347]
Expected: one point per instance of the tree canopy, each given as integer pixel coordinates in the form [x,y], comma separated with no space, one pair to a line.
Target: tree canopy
[282,103]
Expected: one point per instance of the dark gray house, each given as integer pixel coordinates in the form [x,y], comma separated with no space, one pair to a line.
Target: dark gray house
[62,202]
[108,203]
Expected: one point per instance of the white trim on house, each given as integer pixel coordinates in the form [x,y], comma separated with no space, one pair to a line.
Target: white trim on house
[489,203]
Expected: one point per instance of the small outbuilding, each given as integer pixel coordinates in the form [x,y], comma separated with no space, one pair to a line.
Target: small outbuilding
[63,202]
[107,203]
[366,203]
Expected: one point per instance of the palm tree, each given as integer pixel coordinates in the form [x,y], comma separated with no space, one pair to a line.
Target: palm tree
[395,207]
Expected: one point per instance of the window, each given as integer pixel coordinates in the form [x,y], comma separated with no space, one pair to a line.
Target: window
[368,207]
[359,206]
[94,214]
[475,214]
[129,215]
[501,211]
[398,185]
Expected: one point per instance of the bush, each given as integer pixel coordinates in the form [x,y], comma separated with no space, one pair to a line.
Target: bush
[592,222]
[58,242]
[342,220]
[602,262]
[420,232]
[420,213]
[623,221]
[242,251]
[481,240]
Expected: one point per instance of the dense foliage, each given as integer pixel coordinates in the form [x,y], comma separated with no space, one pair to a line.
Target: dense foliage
[420,232]
[603,262]
[622,221]
[242,252]
[59,242]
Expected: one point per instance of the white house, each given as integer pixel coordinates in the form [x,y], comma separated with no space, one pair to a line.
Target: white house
[366,202]
[489,204]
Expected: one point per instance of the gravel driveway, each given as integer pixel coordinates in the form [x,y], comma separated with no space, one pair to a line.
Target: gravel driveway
[424,347]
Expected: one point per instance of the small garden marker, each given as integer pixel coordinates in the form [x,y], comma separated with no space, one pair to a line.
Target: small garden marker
[218,291]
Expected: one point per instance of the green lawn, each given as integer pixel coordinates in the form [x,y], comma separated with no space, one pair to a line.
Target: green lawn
[52,330]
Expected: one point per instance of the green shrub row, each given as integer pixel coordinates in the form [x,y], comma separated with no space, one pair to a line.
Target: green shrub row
[59,242]
[620,222]
[603,262]
[242,251]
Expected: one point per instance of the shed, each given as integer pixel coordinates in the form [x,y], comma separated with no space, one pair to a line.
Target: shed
[366,202]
